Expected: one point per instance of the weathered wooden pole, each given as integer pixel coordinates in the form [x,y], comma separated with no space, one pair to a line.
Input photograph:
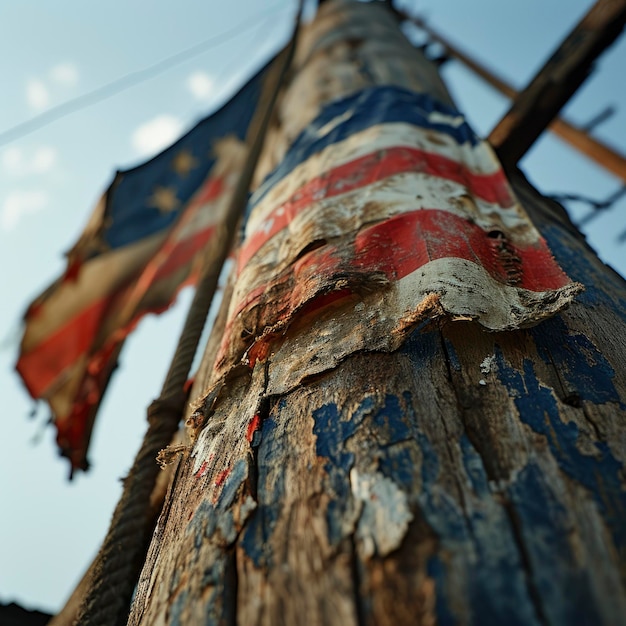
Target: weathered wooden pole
[397,420]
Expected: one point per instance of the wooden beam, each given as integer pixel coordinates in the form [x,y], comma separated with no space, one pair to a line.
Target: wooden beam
[601,153]
[539,103]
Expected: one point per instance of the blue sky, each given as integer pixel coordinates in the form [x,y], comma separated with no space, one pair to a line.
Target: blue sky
[51,178]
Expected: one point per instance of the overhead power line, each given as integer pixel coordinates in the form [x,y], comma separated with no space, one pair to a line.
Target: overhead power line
[130,80]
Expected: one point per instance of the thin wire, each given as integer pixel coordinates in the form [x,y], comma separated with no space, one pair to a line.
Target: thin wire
[597,206]
[129,80]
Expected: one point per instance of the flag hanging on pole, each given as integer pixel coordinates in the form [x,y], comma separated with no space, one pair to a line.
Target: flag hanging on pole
[387,210]
[145,240]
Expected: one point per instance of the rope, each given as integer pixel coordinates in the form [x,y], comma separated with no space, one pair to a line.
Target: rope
[118,564]
[123,550]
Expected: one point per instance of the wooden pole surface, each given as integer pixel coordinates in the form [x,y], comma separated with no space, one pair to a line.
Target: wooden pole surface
[439,473]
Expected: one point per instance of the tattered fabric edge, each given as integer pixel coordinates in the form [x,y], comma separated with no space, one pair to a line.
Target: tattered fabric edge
[311,343]
[364,326]
[321,287]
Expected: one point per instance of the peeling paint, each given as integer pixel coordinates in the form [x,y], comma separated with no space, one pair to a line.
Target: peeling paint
[333,428]
[487,364]
[391,421]
[436,196]
[270,491]
[385,513]
[600,473]
[236,477]
[563,586]
[202,470]
[601,286]
[584,368]
[220,513]
[221,477]
[367,240]
[452,357]
[252,428]
[177,608]
[476,537]
[399,464]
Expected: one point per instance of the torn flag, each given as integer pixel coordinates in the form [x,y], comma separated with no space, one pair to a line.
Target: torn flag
[386,210]
[144,241]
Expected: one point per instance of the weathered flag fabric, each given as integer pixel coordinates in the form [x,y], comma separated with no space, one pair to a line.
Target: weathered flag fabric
[144,242]
[386,210]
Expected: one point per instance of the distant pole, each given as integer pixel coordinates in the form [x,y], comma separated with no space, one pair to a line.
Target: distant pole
[540,102]
[438,473]
[579,138]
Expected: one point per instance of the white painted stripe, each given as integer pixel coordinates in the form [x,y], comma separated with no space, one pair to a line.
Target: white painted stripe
[478,159]
[346,214]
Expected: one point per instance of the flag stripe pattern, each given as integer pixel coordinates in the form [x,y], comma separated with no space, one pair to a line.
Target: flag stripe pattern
[387,200]
[144,242]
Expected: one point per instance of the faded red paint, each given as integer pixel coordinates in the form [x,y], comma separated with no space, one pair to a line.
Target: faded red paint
[253,426]
[368,169]
[221,477]
[394,249]
[203,470]
[325,300]
[259,351]
[402,244]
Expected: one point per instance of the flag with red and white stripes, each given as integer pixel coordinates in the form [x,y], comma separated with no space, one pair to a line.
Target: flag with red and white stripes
[144,242]
[385,210]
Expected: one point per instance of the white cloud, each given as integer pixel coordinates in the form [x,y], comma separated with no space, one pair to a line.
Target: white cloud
[156,134]
[44,159]
[38,91]
[64,74]
[19,204]
[17,163]
[37,96]
[201,85]
[13,161]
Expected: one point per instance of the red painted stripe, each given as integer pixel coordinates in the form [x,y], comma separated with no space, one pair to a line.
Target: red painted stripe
[210,190]
[402,244]
[368,169]
[40,367]
[202,471]
[398,247]
[221,477]
[253,426]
